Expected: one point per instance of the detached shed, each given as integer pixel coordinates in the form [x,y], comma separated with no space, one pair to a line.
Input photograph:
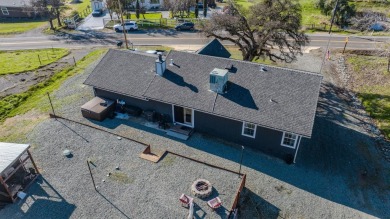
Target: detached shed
[98,108]
[17,170]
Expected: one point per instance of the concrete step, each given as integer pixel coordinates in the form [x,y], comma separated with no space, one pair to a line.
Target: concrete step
[177,135]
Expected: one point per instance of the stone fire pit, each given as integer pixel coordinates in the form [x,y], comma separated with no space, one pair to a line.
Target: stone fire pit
[201,188]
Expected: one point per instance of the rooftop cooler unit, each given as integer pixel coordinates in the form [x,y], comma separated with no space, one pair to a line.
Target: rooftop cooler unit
[218,80]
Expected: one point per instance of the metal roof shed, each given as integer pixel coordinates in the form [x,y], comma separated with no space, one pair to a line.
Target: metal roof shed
[17,170]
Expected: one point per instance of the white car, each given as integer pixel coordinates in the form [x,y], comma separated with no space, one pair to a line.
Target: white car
[129,26]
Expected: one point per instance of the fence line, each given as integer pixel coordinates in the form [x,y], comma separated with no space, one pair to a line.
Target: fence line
[161,22]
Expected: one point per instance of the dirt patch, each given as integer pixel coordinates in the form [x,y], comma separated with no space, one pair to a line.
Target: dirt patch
[18,83]
[15,129]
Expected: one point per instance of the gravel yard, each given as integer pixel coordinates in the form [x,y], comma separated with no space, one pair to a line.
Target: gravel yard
[140,189]
[339,173]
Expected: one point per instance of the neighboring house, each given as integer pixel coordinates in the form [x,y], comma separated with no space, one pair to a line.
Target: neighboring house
[97,4]
[264,107]
[214,48]
[17,9]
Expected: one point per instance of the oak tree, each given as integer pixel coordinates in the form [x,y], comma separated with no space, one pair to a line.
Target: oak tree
[271,28]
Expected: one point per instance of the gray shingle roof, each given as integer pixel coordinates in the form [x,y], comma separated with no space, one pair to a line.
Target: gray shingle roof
[124,72]
[214,48]
[278,98]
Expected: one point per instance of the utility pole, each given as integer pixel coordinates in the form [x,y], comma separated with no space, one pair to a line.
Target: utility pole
[123,23]
[334,14]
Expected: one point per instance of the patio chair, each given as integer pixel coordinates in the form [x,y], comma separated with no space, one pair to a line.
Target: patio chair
[214,203]
[185,200]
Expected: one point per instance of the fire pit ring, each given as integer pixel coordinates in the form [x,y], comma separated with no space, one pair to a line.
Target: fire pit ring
[201,188]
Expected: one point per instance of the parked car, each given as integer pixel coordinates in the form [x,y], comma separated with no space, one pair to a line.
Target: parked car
[185,26]
[200,5]
[129,26]
[97,12]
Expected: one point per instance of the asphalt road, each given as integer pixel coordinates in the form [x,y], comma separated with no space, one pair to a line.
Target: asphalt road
[162,37]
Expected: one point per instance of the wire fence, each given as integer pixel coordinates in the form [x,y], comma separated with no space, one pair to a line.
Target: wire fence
[152,23]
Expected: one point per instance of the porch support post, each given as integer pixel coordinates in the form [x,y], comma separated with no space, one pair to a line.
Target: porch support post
[296,151]
[33,162]
[6,188]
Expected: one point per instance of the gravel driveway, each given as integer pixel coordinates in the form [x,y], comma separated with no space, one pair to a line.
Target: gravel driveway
[339,172]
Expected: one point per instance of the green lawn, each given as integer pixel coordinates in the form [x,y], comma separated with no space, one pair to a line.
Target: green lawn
[149,15]
[312,17]
[373,87]
[19,27]
[27,60]
[36,98]
[80,7]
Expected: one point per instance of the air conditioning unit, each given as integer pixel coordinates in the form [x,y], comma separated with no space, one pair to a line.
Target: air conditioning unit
[218,80]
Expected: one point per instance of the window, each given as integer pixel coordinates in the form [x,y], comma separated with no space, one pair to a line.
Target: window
[249,129]
[154,1]
[289,140]
[4,10]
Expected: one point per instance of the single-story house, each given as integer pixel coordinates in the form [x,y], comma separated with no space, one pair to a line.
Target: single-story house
[17,9]
[264,107]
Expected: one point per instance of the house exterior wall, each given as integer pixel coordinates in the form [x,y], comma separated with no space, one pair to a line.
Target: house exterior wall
[159,107]
[15,12]
[266,140]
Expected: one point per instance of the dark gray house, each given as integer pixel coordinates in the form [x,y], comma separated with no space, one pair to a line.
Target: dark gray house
[17,9]
[264,107]
[214,48]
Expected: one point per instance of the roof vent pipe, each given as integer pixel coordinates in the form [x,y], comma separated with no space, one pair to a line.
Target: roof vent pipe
[262,68]
[171,62]
[160,65]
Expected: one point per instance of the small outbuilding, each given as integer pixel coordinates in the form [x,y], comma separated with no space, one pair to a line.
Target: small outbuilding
[98,108]
[97,4]
[17,171]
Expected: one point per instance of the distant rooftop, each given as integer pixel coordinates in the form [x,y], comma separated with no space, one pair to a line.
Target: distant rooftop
[214,48]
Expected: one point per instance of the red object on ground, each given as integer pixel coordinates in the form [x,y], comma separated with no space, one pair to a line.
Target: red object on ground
[215,203]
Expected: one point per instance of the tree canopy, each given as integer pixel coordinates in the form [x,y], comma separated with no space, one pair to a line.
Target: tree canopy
[271,28]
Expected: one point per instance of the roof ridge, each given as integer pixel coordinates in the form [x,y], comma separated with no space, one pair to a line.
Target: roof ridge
[259,64]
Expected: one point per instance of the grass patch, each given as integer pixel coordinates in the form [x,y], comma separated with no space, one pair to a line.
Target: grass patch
[36,97]
[236,54]
[372,83]
[121,177]
[19,27]
[27,60]
[149,15]
[78,7]
[376,101]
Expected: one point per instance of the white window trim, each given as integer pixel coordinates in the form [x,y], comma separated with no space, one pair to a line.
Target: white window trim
[289,146]
[3,10]
[184,124]
[243,127]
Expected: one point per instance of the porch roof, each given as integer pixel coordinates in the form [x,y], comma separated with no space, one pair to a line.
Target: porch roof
[9,152]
